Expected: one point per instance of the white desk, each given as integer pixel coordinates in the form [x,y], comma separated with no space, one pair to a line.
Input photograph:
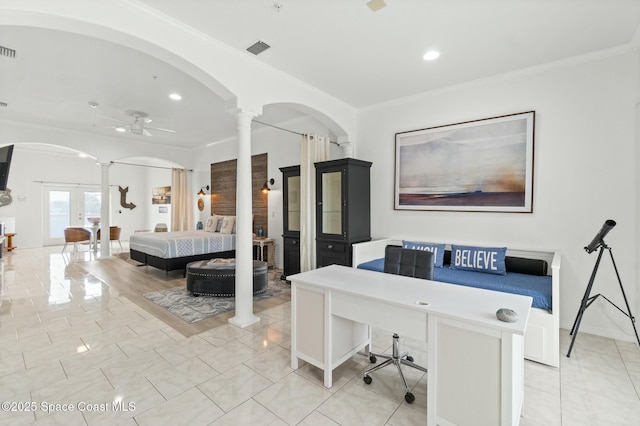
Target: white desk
[476,362]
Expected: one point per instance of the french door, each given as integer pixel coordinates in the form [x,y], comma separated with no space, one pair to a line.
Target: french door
[66,206]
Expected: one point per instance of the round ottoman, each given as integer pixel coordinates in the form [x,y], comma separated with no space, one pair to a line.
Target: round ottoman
[217,277]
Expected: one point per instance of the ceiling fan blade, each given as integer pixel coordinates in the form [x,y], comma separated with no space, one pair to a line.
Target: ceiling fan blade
[112,119]
[161,130]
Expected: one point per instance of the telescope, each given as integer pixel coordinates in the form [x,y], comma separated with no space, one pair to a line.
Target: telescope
[598,240]
[587,299]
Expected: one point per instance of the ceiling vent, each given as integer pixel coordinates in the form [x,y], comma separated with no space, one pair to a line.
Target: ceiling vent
[3,104]
[5,51]
[258,47]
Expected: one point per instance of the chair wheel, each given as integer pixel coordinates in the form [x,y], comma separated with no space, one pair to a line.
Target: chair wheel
[372,359]
[409,397]
[368,380]
[409,358]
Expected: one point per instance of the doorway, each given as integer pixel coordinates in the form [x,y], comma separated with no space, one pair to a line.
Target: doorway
[66,206]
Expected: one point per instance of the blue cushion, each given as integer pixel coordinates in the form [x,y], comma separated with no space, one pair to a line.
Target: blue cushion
[538,287]
[373,265]
[481,259]
[436,249]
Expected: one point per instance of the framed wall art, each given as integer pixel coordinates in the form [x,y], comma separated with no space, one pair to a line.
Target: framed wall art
[482,165]
[161,195]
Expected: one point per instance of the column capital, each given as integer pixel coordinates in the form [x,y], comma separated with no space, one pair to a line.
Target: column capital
[348,148]
[244,113]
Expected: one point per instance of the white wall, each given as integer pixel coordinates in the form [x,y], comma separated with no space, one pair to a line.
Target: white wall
[140,181]
[28,169]
[584,173]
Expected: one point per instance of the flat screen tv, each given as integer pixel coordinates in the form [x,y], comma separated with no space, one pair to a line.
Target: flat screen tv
[5,162]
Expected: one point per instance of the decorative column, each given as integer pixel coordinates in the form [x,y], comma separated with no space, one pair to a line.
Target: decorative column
[244,241]
[348,148]
[105,209]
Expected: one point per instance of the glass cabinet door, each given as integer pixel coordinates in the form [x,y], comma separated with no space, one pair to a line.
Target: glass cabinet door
[293,203]
[331,213]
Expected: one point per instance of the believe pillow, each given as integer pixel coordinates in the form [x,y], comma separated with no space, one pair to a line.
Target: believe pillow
[481,259]
[436,249]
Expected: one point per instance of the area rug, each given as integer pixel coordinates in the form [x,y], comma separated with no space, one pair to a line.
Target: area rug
[192,309]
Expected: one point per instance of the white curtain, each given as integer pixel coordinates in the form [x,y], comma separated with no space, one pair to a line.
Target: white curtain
[314,149]
[181,201]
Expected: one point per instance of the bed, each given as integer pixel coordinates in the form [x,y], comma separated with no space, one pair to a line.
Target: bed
[169,251]
[542,337]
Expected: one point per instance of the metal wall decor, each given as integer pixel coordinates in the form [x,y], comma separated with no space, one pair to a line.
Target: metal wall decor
[123,198]
[5,198]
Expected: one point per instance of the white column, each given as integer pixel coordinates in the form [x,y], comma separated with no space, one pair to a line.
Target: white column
[244,241]
[348,148]
[105,209]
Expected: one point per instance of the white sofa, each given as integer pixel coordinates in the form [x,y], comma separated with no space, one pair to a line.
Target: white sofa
[542,336]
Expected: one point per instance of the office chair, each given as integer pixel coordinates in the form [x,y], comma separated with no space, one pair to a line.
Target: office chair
[411,263]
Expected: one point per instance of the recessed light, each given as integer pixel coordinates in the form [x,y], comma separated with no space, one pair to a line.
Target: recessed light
[93,104]
[83,155]
[120,129]
[175,96]
[431,55]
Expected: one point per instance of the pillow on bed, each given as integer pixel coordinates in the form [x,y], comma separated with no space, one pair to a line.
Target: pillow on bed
[227,224]
[481,259]
[436,249]
[212,223]
[219,224]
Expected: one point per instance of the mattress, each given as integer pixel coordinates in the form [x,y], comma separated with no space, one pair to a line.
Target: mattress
[536,286]
[168,245]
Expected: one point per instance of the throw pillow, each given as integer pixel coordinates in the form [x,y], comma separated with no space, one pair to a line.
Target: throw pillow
[481,259]
[227,224]
[436,249]
[212,223]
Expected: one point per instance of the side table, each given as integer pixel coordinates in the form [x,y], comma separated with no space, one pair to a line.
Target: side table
[10,245]
[271,244]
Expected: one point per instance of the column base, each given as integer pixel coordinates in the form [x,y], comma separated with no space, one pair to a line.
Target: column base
[244,322]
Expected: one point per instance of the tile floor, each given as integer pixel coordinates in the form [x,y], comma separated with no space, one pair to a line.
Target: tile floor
[75,351]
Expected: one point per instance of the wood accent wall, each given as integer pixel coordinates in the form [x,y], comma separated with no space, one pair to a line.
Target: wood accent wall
[223,190]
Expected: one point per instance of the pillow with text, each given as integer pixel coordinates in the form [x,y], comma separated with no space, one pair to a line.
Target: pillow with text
[481,259]
[436,249]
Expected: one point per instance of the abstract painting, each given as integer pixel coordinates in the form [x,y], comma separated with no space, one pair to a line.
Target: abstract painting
[481,165]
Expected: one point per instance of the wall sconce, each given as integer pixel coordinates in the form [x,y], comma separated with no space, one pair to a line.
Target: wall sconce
[265,187]
[201,194]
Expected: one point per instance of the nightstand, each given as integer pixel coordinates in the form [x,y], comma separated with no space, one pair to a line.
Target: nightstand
[271,248]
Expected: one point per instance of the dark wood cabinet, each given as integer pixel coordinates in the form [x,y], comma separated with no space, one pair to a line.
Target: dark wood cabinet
[343,209]
[291,219]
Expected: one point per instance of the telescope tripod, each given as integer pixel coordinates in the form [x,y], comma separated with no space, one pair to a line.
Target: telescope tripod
[587,300]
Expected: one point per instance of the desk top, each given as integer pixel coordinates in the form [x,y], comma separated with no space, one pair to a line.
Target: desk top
[446,300]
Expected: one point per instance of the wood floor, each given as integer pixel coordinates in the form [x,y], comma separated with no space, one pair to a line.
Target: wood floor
[134,281]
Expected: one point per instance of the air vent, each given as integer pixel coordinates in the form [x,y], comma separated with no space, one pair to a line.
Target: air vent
[5,51]
[3,104]
[258,47]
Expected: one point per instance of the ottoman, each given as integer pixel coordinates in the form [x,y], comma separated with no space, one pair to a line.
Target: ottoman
[217,277]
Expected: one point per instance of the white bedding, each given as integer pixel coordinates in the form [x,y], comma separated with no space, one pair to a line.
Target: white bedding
[167,245]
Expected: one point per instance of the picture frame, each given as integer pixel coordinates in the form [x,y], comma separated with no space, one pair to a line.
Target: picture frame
[161,195]
[482,165]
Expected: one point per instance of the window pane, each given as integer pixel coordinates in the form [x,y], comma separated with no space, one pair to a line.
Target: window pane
[59,213]
[92,203]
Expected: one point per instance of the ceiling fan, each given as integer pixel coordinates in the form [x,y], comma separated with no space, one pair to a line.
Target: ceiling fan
[139,125]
